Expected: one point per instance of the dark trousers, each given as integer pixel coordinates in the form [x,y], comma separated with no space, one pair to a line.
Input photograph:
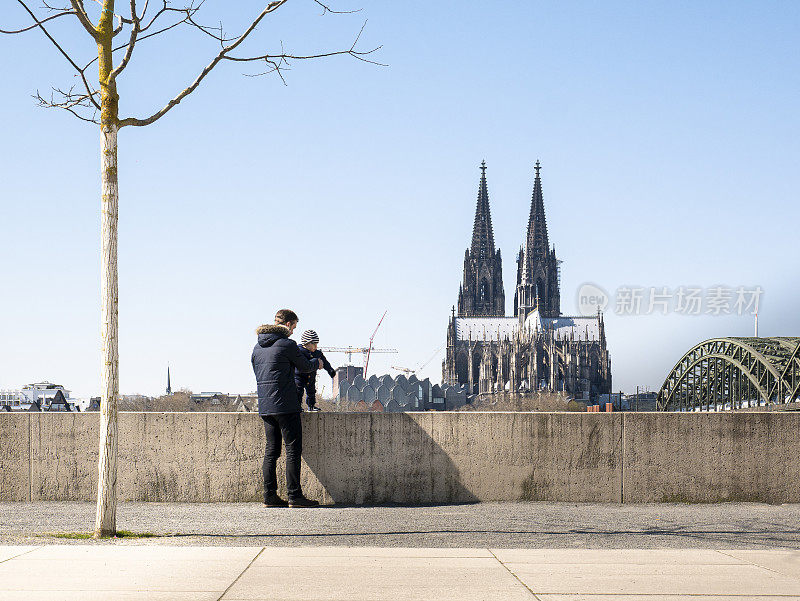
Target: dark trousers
[289,428]
[310,390]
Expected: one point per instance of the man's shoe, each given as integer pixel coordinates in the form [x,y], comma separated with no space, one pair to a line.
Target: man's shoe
[314,408]
[303,502]
[275,501]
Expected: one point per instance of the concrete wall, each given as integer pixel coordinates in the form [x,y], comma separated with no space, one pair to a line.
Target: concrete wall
[416,457]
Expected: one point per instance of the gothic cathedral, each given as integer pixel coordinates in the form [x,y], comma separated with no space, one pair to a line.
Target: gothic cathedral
[535,349]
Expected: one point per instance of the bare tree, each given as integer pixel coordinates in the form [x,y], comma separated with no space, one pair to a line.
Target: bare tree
[100,105]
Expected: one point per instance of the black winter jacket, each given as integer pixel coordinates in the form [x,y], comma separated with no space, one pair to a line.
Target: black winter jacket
[274,359]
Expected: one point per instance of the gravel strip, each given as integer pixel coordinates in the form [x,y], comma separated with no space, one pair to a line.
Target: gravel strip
[494,525]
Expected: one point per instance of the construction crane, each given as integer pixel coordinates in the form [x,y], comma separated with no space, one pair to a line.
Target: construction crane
[422,366]
[354,350]
[366,351]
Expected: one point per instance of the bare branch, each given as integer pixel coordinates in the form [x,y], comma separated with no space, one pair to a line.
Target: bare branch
[186,10]
[53,8]
[271,7]
[139,39]
[328,9]
[277,59]
[90,91]
[286,57]
[274,66]
[68,101]
[165,8]
[131,43]
[190,10]
[209,31]
[80,11]
[35,25]
[144,10]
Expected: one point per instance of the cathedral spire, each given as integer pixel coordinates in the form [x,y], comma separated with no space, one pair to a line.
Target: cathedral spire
[482,233]
[481,292]
[537,265]
[537,242]
[169,385]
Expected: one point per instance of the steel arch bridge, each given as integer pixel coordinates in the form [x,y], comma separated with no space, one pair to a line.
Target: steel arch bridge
[731,373]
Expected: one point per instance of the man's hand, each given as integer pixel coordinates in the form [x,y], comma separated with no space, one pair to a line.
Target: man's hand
[319,364]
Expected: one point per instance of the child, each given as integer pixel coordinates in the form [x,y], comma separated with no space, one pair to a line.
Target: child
[308,381]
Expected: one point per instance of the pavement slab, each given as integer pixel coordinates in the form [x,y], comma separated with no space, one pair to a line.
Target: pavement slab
[546,597]
[12,551]
[672,580]
[676,557]
[128,572]
[149,553]
[72,569]
[107,595]
[446,580]
[782,562]
[377,552]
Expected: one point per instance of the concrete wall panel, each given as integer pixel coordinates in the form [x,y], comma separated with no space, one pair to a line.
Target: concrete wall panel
[428,457]
[712,457]
[15,464]
[64,450]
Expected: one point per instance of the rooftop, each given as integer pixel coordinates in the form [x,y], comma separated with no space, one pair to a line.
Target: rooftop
[500,328]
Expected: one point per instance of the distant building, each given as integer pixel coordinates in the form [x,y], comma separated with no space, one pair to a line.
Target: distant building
[40,396]
[215,398]
[615,398]
[59,403]
[395,394]
[642,401]
[245,403]
[346,374]
[14,400]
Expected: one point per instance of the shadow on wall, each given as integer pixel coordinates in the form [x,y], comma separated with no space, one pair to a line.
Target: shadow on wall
[379,459]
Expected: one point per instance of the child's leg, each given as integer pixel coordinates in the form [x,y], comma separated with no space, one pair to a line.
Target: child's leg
[311,392]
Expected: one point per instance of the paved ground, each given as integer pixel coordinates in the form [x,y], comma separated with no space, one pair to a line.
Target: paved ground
[485,525]
[168,573]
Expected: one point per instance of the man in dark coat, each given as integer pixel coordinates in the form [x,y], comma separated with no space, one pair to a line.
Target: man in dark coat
[275,357]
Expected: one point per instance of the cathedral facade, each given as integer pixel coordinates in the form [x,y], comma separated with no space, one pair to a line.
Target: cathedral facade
[536,348]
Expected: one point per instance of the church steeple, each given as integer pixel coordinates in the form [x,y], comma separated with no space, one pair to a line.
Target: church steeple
[482,233]
[537,242]
[481,291]
[537,265]
[169,386]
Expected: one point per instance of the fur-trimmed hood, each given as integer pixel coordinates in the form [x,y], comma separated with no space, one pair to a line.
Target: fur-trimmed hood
[269,334]
[273,329]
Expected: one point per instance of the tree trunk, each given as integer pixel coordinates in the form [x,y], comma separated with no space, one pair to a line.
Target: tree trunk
[106,515]
[105,520]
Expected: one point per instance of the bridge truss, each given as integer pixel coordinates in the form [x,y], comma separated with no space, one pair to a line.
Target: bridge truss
[732,373]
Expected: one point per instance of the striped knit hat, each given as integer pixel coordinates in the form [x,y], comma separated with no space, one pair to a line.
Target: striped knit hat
[309,336]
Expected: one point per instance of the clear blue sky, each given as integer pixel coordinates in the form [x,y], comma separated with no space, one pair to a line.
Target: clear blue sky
[668,134]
